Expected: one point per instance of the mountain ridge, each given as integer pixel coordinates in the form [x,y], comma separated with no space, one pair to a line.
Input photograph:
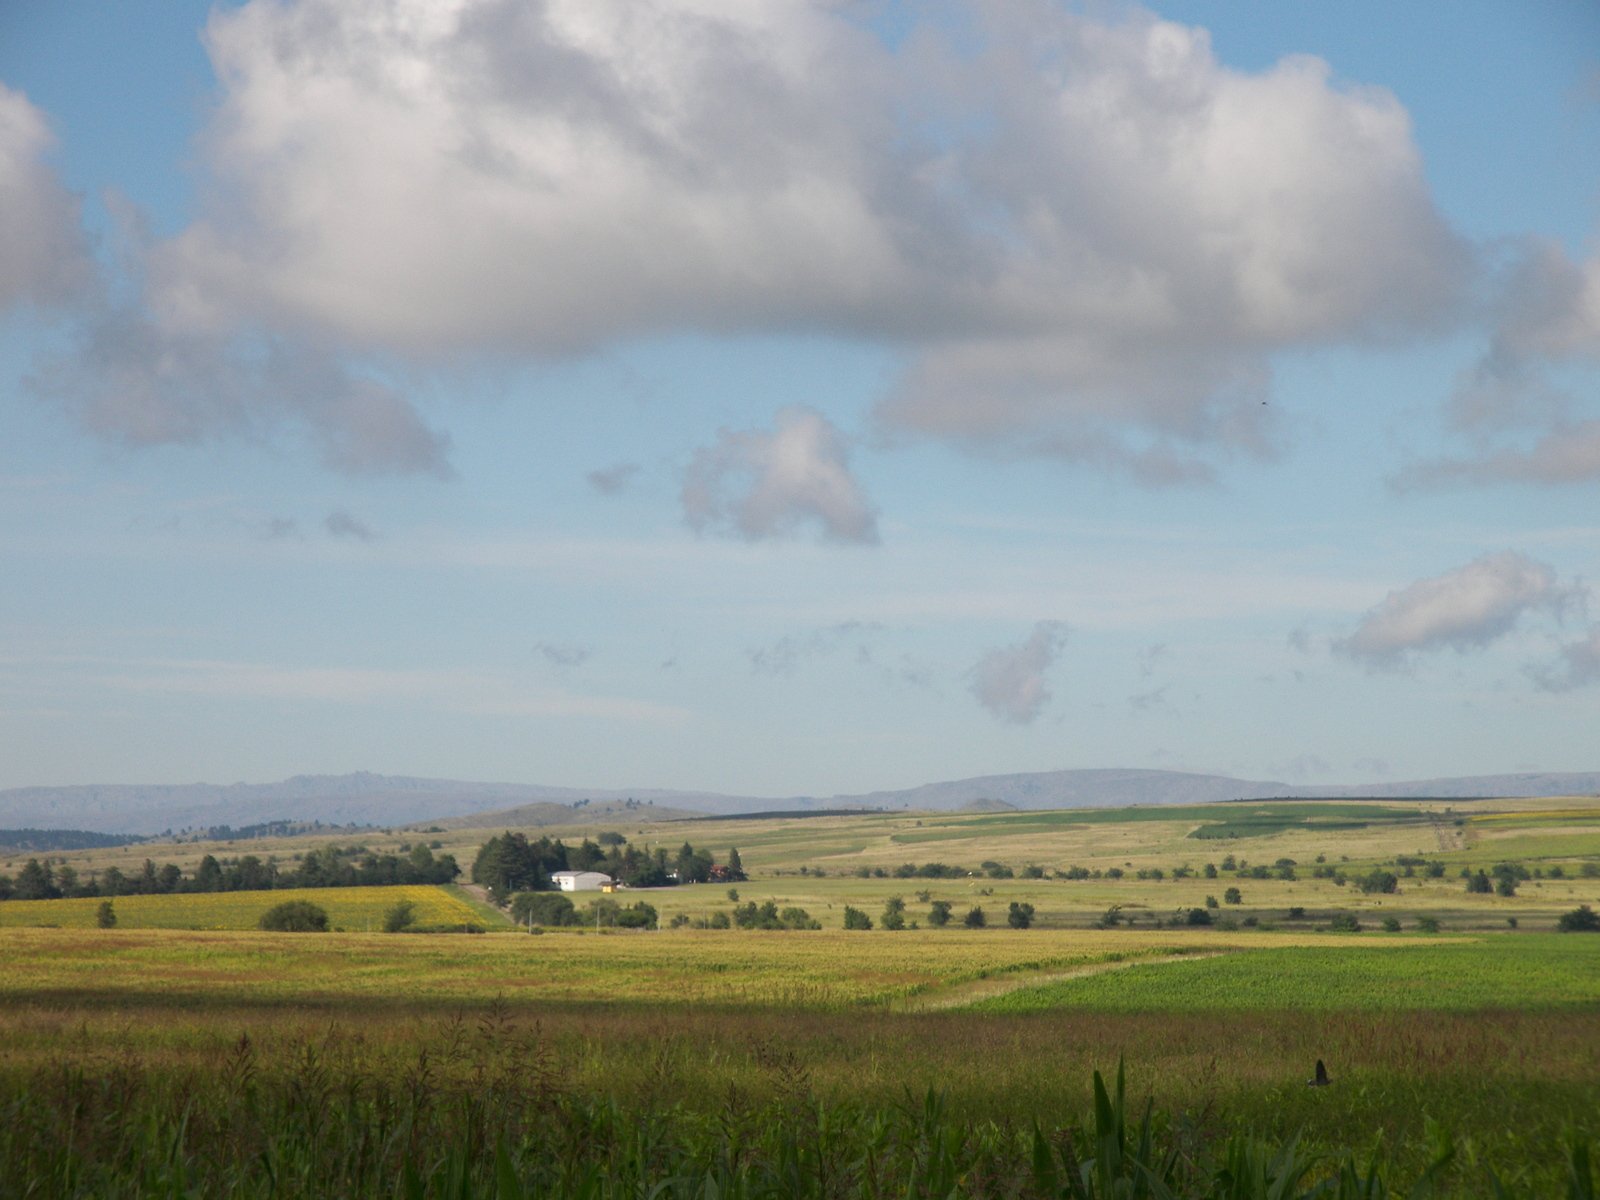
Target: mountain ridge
[366,798]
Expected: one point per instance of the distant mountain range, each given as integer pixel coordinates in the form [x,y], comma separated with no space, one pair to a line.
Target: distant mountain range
[386,800]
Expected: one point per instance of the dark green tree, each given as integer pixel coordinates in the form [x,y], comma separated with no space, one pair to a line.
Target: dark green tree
[105,917]
[894,913]
[1020,915]
[975,918]
[854,918]
[295,916]
[939,913]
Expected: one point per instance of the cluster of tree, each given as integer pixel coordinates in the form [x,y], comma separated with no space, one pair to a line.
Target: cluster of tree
[41,840]
[511,863]
[554,909]
[331,866]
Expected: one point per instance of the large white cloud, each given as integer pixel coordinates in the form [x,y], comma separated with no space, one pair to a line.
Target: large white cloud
[1464,609]
[1088,238]
[759,485]
[43,252]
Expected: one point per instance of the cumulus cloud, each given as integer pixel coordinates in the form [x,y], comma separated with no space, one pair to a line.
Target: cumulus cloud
[1088,237]
[341,524]
[1010,680]
[138,382]
[44,258]
[1464,609]
[757,484]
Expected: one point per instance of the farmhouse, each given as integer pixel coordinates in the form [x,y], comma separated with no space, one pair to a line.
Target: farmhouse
[582,881]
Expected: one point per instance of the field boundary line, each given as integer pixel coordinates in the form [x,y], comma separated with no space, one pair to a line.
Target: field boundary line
[971,991]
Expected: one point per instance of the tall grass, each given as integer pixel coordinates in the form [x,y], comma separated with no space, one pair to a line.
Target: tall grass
[484,1111]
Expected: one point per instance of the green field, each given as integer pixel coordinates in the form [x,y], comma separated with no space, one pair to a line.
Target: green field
[186,1053]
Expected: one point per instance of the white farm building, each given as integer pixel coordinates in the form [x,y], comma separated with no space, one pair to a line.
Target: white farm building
[581,881]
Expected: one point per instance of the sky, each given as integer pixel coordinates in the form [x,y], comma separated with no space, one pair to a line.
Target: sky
[797,398]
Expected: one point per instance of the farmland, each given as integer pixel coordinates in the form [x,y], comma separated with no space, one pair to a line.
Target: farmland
[183,1050]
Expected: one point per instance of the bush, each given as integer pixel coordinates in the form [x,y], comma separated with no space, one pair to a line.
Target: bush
[1233,896]
[1198,916]
[1480,884]
[939,913]
[854,918]
[400,917]
[894,913]
[975,918]
[1345,923]
[543,908]
[1391,924]
[105,917]
[1582,919]
[1020,916]
[295,916]
[1428,924]
[1379,881]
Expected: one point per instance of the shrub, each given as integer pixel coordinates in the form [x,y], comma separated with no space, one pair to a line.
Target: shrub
[939,913]
[1391,924]
[1233,896]
[543,908]
[1380,881]
[398,918]
[975,918]
[1020,916]
[1428,924]
[1480,884]
[105,917]
[1297,912]
[854,918]
[719,920]
[1345,923]
[1211,902]
[1505,885]
[295,916]
[1113,917]
[1198,916]
[894,913]
[1582,919]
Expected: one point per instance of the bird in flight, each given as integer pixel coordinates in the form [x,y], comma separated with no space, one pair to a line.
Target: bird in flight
[1320,1079]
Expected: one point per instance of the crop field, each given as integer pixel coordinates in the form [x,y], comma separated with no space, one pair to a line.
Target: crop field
[186,1052]
[347,908]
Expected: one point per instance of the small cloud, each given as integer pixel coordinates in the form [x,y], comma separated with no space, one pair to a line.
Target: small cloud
[278,528]
[1146,701]
[761,485]
[1579,667]
[341,524]
[1010,680]
[1300,639]
[1569,453]
[565,656]
[613,480]
[1462,610]
[1149,657]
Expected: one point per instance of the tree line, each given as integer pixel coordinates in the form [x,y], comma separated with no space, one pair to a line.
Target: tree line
[330,866]
[511,862]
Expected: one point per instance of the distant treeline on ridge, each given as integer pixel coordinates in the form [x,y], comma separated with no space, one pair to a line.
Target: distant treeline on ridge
[331,866]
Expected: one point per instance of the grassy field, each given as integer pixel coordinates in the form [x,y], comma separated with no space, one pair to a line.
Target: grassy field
[347,908]
[184,1052]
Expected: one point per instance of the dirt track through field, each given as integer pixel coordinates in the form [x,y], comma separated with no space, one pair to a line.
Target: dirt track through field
[961,994]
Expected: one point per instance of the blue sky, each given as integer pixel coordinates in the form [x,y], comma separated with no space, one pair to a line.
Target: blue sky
[797,398]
